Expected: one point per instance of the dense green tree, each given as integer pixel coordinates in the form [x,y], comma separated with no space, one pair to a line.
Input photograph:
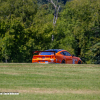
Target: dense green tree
[80,23]
[43,24]
[16,17]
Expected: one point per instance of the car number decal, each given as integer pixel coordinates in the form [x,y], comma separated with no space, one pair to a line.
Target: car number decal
[74,61]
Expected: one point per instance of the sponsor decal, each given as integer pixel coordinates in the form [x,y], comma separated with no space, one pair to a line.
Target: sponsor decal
[52,60]
[74,61]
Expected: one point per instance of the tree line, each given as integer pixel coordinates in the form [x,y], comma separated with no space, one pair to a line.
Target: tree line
[27,25]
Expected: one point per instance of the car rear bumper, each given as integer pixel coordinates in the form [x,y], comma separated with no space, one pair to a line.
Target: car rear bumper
[44,61]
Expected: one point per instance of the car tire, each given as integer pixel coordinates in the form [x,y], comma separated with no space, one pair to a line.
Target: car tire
[63,62]
[79,62]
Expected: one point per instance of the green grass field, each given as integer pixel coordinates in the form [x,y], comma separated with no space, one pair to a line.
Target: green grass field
[50,81]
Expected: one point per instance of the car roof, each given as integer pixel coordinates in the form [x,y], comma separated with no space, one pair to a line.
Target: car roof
[56,50]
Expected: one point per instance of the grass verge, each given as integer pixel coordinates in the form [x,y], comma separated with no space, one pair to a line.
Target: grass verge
[50,81]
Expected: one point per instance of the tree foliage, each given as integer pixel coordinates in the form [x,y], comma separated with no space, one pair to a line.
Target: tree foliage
[27,25]
[16,17]
[80,23]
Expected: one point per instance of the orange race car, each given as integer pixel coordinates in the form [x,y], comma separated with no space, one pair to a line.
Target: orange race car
[55,56]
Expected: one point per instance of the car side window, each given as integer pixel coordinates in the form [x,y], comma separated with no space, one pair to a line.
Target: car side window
[62,53]
[67,54]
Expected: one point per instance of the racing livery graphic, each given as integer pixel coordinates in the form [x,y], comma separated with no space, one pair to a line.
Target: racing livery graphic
[55,56]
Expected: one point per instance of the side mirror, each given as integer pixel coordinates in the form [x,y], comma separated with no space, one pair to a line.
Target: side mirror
[72,55]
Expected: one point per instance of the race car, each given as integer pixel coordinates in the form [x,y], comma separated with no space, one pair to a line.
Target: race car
[55,56]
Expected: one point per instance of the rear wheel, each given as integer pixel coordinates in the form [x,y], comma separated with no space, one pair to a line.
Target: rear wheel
[63,62]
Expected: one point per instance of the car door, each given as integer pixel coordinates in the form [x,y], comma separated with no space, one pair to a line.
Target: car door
[68,57]
[60,57]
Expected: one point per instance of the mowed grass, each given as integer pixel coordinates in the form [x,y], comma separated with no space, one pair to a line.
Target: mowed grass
[50,81]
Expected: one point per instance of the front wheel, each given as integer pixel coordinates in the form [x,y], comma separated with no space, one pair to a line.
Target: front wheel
[79,62]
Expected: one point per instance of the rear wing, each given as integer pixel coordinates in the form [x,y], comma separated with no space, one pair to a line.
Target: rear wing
[37,52]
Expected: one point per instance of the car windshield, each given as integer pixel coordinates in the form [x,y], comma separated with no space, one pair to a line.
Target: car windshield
[46,53]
